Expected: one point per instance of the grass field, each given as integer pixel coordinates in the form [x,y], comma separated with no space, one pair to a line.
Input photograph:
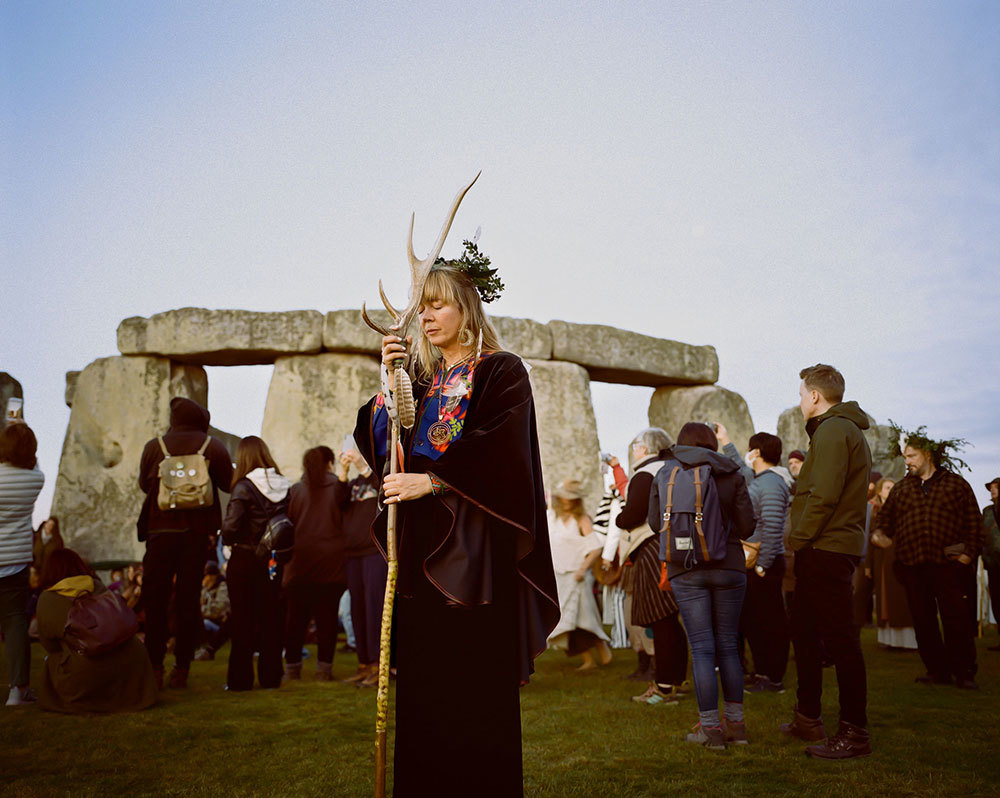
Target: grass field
[582,736]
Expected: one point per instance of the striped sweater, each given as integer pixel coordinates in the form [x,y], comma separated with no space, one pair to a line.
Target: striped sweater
[19,487]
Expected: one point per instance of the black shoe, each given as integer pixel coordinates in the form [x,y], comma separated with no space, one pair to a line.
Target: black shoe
[928,679]
[966,684]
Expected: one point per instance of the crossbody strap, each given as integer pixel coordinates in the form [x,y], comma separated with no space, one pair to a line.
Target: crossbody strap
[204,446]
[163,446]
[698,515]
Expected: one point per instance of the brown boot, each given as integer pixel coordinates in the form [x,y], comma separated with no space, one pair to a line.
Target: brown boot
[359,676]
[371,680]
[178,678]
[293,672]
[324,671]
[849,742]
[804,728]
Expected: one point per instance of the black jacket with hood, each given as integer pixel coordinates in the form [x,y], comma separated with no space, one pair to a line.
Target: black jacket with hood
[831,495]
[188,428]
[734,502]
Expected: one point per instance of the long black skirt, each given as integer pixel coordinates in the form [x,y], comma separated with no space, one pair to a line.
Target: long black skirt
[458,713]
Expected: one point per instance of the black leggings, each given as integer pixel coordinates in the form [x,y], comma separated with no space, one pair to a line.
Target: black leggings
[671,650]
[307,601]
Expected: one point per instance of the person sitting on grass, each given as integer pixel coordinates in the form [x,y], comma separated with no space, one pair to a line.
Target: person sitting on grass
[120,680]
[214,611]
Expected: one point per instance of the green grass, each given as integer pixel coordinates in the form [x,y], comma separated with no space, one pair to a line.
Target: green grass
[582,736]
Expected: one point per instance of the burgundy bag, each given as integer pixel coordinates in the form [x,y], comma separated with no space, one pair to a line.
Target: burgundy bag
[98,623]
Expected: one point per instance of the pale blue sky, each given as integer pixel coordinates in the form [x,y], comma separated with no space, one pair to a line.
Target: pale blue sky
[791,182]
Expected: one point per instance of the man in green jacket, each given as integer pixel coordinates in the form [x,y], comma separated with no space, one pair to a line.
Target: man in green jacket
[827,535]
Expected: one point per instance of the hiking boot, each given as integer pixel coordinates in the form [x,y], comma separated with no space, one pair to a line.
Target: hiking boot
[293,672]
[204,654]
[712,737]
[735,732]
[849,742]
[21,696]
[178,678]
[655,696]
[765,685]
[324,671]
[371,680]
[804,728]
[927,678]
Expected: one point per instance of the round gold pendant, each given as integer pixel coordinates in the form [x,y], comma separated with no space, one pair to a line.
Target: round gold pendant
[439,433]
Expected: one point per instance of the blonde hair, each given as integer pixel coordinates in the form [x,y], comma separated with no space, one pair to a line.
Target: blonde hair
[453,287]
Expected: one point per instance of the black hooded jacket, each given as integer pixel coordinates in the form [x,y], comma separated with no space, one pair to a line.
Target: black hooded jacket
[188,428]
[734,501]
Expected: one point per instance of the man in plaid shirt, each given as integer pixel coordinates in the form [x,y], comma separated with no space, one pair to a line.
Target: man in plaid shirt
[933,519]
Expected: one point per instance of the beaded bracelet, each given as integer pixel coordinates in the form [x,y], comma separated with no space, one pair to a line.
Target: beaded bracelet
[437,486]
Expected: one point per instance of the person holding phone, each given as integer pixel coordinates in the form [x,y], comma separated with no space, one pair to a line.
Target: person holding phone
[20,483]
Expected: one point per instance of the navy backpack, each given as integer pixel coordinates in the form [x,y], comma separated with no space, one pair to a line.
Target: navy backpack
[693,530]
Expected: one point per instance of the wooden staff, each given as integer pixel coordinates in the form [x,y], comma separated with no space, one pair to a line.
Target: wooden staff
[385,637]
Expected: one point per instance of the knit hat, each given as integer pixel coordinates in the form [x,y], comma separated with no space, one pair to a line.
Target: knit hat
[875,476]
[796,454]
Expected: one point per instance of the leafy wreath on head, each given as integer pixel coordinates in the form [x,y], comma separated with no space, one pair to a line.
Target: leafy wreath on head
[476,265]
[943,452]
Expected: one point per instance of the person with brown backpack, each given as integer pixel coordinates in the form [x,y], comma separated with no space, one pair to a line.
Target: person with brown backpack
[181,474]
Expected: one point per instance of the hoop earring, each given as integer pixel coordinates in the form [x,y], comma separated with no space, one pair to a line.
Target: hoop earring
[466,339]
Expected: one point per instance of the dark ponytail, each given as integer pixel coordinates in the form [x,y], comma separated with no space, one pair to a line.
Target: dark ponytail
[314,466]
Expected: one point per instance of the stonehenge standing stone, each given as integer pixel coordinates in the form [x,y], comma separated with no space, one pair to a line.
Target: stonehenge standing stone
[524,337]
[792,431]
[613,355]
[672,407]
[567,429]
[222,337]
[313,400]
[119,403]
[71,378]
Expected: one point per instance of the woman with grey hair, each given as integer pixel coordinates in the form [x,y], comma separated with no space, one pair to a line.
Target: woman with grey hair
[639,550]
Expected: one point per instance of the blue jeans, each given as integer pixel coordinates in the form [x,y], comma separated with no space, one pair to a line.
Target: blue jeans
[710,601]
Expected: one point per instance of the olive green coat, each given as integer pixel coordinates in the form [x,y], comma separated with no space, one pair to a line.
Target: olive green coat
[118,681]
[831,494]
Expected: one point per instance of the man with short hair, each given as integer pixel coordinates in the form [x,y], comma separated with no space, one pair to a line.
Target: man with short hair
[828,523]
[933,519]
[763,620]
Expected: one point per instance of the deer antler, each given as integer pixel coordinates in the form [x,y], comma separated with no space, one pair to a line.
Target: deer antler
[419,270]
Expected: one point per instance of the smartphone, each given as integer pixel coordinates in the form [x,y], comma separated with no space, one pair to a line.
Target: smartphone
[348,443]
[15,407]
[605,457]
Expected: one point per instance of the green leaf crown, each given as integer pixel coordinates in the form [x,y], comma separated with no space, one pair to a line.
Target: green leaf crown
[943,452]
[477,266]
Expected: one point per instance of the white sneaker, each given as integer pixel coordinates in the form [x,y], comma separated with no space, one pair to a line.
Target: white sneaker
[19,696]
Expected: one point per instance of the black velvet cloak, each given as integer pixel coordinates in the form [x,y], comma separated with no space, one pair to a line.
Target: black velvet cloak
[493,472]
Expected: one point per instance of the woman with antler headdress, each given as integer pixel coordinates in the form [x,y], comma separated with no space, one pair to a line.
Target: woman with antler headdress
[476,589]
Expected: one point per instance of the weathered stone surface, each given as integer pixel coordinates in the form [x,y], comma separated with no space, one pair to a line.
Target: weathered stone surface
[567,429]
[613,355]
[71,378]
[222,337]
[9,387]
[525,337]
[672,407]
[119,404]
[792,431]
[313,400]
[344,331]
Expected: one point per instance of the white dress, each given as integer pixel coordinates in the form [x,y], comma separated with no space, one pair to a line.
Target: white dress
[577,605]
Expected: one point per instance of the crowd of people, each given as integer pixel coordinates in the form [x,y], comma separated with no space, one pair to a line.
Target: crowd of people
[698,550]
